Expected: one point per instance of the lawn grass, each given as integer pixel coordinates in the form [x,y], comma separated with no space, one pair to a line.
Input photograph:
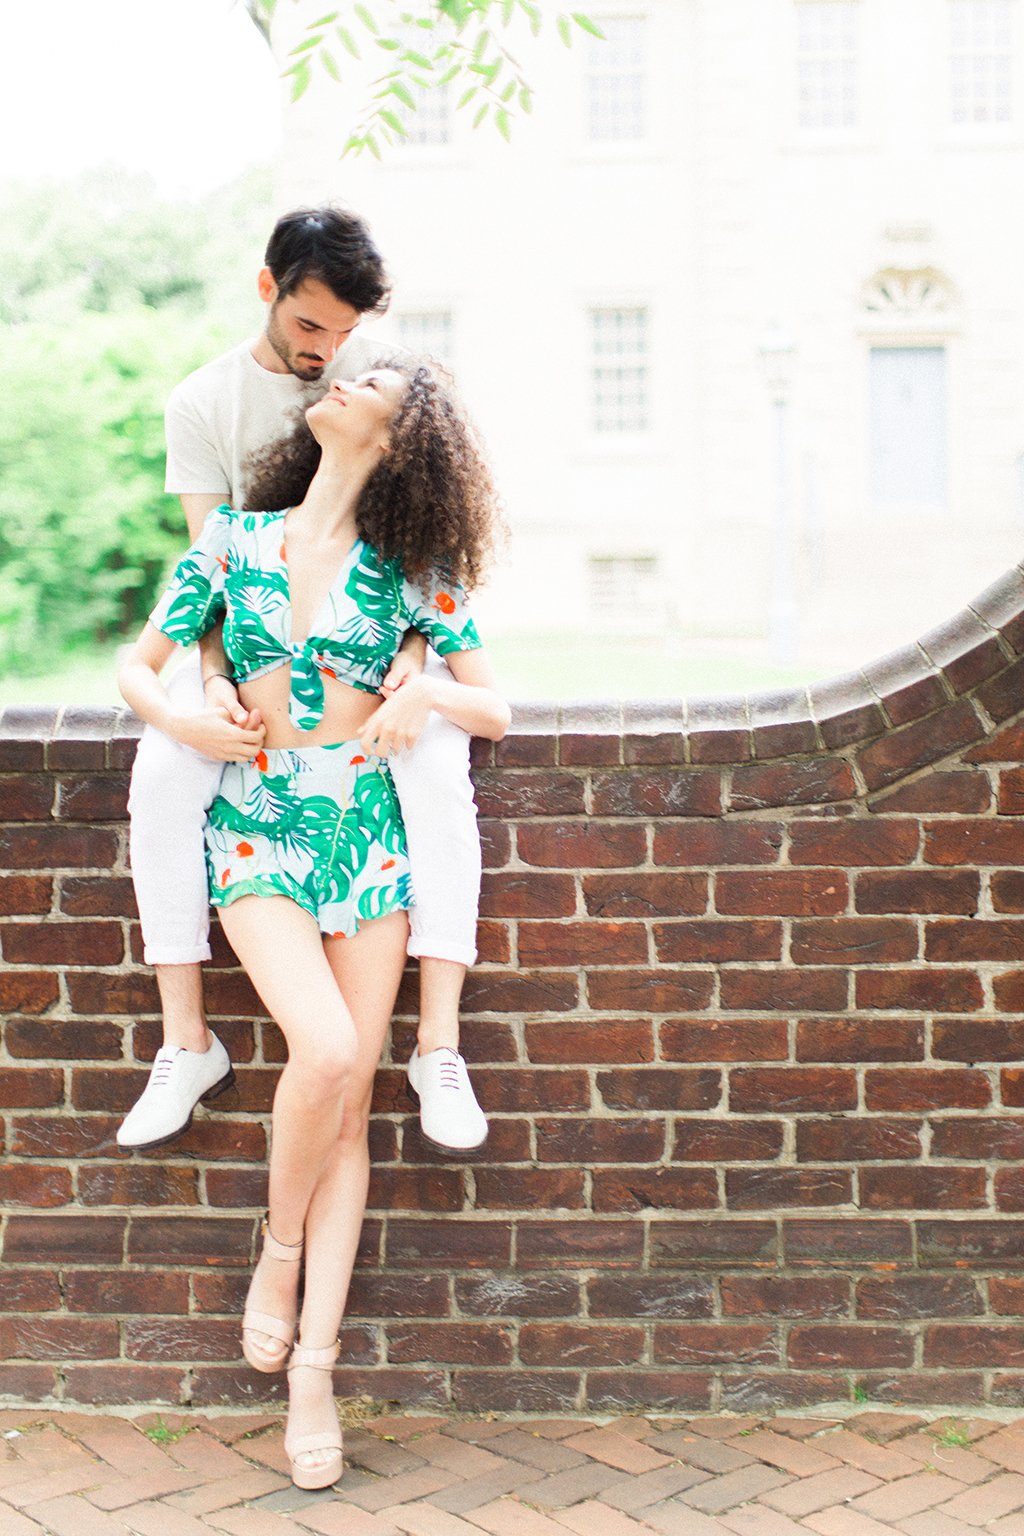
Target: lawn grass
[87,677]
[558,667]
[567,667]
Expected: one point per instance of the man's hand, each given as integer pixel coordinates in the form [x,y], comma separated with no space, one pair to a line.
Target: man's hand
[399,721]
[408,664]
[221,693]
[212,732]
[406,667]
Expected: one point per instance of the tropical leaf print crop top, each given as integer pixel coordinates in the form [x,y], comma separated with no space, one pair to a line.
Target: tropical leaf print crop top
[237,570]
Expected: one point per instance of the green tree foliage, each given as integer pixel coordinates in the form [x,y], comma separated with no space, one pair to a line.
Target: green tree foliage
[425,45]
[105,241]
[110,297]
[85,531]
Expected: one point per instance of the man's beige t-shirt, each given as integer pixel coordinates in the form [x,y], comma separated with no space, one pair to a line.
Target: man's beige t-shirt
[225,410]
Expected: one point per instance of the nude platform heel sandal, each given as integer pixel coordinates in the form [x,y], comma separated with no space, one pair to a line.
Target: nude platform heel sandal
[258,1356]
[326,1440]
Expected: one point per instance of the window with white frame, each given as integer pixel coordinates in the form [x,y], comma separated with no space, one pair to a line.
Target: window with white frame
[619,370]
[427,333]
[980,62]
[828,64]
[433,119]
[616,81]
[623,591]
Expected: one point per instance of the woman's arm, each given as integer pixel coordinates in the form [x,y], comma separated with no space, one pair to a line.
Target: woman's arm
[468,699]
[210,731]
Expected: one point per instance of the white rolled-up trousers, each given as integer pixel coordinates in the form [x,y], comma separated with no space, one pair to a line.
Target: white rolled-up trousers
[173,787]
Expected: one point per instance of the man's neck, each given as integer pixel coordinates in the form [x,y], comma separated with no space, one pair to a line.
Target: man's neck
[264,354]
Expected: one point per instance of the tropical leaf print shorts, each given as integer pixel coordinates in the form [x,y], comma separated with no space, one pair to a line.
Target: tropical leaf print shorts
[321,825]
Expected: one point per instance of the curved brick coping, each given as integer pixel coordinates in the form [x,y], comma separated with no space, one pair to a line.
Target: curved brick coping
[833,741]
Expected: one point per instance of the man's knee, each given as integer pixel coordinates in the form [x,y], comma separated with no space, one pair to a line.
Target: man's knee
[170,784]
[436,767]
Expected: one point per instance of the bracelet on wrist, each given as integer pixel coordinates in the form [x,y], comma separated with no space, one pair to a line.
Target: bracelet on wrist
[224,675]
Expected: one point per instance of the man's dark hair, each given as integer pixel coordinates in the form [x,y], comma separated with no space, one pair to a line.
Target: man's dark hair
[333,247]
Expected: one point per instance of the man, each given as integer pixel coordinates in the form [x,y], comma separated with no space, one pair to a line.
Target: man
[322,273]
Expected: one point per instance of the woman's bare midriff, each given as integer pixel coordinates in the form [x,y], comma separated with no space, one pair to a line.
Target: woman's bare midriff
[346,710]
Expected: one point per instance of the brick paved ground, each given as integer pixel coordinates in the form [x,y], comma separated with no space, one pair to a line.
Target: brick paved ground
[78,1474]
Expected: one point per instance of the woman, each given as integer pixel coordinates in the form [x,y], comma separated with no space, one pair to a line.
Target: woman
[305,846]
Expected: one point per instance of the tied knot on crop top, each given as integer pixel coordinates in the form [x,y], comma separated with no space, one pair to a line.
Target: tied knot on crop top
[237,570]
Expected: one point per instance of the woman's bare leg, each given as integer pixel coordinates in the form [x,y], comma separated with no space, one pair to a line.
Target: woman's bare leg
[368,969]
[333,1000]
[281,948]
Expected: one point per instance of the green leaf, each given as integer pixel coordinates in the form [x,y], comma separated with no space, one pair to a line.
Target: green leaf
[419,59]
[588,25]
[366,19]
[449,75]
[508,10]
[504,126]
[564,30]
[348,41]
[329,63]
[300,84]
[390,43]
[394,122]
[311,42]
[467,96]
[325,21]
[481,114]
[402,91]
[509,91]
[372,146]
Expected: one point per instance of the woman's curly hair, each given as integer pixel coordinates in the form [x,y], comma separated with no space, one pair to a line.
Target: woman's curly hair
[430,503]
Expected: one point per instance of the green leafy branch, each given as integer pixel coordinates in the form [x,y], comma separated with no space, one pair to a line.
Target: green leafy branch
[438,45]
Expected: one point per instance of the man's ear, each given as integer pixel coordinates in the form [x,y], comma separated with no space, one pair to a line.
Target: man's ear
[266,286]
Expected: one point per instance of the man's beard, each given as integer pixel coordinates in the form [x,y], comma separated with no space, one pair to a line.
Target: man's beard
[308,371]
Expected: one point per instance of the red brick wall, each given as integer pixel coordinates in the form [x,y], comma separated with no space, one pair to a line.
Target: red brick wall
[748,1023]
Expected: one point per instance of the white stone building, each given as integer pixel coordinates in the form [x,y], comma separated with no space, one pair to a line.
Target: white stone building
[844,173]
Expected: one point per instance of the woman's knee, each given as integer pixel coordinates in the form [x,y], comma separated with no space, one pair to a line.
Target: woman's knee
[323,1073]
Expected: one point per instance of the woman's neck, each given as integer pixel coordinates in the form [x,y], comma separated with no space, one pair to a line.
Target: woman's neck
[329,505]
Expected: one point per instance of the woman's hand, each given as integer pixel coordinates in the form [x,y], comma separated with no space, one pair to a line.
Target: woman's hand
[218,733]
[399,721]
[406,667]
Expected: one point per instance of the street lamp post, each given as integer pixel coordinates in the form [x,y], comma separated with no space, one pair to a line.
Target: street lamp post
[778,352]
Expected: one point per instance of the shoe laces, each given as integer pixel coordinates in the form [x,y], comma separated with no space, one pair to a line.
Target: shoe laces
[449,1070]
[162,1068]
